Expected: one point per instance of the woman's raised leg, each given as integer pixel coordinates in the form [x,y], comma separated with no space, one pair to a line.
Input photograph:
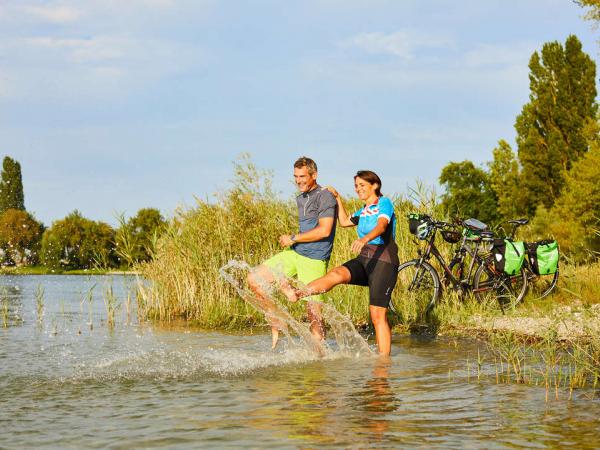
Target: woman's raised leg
[338,275]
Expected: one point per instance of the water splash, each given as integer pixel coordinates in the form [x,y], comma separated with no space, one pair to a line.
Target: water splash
[348,340]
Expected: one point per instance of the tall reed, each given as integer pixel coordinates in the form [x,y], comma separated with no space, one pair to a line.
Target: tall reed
[244,223]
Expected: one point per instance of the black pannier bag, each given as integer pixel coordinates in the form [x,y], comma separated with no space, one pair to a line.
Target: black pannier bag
[543,256]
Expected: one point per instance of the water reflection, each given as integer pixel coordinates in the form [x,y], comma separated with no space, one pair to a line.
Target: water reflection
[376,399]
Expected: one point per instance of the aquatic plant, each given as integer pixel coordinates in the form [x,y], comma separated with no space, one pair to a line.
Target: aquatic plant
[5,313]
[90,300]
[111,304]
[39,302]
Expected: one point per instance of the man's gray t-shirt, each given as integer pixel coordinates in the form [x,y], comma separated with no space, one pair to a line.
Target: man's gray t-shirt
[312,206]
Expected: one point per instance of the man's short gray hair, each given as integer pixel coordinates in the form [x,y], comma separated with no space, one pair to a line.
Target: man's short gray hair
[305,161]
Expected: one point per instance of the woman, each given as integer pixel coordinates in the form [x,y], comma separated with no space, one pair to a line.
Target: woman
[377,262]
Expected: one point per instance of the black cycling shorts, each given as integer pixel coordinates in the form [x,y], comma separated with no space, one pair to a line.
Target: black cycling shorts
[379,275]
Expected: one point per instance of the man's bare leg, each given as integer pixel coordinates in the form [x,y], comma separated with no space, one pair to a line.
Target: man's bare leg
[313,311]
[257,279]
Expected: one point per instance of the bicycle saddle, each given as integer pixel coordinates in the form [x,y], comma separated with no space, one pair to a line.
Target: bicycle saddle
[519,221]
[475,225]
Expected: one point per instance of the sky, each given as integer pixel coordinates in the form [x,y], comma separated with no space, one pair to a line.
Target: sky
[113,106]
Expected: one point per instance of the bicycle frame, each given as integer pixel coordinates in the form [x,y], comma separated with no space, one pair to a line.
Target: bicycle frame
[459,256]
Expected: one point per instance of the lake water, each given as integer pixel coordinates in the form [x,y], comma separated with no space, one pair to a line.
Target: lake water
[70,381]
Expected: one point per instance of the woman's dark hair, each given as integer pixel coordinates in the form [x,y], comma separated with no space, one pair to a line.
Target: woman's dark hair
[371,178]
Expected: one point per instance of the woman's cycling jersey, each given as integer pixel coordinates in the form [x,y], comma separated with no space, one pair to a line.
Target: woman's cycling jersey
[384,246]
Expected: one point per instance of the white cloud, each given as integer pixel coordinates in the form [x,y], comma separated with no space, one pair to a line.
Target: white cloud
[55,14]
[101,66]
[402,44]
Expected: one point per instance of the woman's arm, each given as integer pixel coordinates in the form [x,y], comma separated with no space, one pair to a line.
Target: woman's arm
[378,230]
[343,216]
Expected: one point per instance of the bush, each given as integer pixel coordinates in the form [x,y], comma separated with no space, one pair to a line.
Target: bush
[20,236]
[574,219]
[78,243]
[136,238]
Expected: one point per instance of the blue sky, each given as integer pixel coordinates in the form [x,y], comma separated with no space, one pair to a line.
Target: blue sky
[113,106]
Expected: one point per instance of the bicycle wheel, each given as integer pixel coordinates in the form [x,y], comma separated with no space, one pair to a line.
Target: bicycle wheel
[417,290]
[507,290]
[542,285]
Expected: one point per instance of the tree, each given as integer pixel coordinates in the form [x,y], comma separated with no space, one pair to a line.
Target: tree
[78,243]
[135,238]
[504,181]
[558,124]
[11,186]
[593,13]
[468,192]
[20,236]
[574,220]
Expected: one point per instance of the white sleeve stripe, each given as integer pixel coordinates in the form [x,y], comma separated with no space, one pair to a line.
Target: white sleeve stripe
[385,216]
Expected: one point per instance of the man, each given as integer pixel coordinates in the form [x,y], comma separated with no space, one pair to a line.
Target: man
[307,252]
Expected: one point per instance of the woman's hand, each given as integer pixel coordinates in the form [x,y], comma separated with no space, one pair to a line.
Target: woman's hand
[333,191]
[357,245]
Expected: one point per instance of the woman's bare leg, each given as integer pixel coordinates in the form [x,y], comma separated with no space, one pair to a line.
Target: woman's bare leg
[339,275]
[383,334]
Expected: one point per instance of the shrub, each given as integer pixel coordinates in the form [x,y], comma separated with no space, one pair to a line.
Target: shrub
[78,243]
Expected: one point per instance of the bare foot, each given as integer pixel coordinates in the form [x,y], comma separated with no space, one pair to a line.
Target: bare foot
[290,293]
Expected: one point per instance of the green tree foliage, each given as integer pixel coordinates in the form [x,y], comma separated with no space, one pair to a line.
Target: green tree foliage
[78,243]
[504,181]
[20,236]
[136,237]
[555,128]
[574,220]
[469,192]
[593,12]
[11,186]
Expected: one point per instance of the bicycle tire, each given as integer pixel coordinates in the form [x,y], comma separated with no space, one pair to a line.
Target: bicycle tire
[499,286]
[418,282]
[542,285]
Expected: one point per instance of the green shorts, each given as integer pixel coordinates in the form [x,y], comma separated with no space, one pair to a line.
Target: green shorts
[291,264]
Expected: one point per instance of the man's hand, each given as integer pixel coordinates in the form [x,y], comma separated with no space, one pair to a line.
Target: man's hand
[285,240]
[357,245]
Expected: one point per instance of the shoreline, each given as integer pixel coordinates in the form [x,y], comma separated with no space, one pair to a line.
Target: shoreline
[39,270]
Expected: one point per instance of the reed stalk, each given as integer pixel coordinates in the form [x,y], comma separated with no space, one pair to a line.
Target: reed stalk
[39,302]
[111,304]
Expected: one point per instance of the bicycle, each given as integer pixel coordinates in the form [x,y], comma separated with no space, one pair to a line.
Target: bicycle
[418,279]
[539,285]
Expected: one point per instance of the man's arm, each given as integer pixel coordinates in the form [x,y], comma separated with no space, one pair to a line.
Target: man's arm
[321,231]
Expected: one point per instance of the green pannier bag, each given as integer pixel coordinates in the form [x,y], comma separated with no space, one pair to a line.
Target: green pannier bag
[508,256]
[543,256]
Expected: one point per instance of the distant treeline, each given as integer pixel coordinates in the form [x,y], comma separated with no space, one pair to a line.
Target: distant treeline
[73,242]
[554,177]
